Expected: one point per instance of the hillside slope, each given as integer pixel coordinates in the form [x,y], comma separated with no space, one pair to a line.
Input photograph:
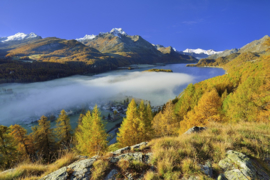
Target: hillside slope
[256,46]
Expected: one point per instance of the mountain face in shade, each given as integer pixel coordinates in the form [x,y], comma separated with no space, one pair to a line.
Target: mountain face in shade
[171,52]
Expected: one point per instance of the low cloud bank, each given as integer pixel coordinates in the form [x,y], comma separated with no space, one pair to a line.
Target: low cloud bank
[36,99]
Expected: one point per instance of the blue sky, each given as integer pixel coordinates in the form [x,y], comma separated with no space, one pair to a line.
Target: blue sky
[207,24]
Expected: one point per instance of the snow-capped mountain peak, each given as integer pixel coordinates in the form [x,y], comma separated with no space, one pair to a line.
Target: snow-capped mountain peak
[19,36]
[202,51]
[117,31]
[86,37]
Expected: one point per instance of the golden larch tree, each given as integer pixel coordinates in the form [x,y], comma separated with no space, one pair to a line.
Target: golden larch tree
[91,136]
[25,145]
[44,138]
[208,109]
[132,130]
[8,148]
[63,130]
[165,123]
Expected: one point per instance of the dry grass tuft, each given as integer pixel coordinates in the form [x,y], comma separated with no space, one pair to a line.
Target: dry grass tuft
[99,169]
[33,171]
[183,154]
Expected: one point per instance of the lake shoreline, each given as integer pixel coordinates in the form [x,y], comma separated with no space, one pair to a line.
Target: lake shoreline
[72,93]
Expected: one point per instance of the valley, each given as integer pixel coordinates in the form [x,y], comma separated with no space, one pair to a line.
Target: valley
[25,103]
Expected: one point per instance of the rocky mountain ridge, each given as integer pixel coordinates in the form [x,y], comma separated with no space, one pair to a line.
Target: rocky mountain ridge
[254,46]
[17,40]
[19,37]
[116,44]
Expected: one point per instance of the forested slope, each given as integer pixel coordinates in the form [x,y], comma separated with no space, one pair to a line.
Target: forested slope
[243,94]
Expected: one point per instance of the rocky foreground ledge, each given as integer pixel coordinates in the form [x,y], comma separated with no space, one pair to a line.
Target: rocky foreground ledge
[236,165]
[81,170]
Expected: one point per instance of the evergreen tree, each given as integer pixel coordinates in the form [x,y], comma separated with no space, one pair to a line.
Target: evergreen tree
[44,139]
[63,130]
[91,137]
[8,149]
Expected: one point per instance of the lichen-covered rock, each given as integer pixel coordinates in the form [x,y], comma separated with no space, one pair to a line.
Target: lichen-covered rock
[129,177]
[190,178]
[111,175]
[80,170]
[60,174]
[195,129]
[138,146]
[120,151]
[137,156]
[207,169]
[148,158]
[238,166]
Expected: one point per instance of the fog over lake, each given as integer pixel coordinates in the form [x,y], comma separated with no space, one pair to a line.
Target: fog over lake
[36,99]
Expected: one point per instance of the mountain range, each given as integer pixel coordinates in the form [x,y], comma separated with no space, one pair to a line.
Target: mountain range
[199,53]
[119,44]
[250,52]
[113,49]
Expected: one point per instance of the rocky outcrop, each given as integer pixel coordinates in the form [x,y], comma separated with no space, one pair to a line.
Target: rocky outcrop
[77,170]
[195,129]
[207,169]
[239,166]
[236,166]
[111,175]
[81,170]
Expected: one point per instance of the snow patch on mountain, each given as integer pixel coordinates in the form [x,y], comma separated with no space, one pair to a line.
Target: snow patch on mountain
[202,51]
[118,31]
[115,31]
[86,37]
[19,36]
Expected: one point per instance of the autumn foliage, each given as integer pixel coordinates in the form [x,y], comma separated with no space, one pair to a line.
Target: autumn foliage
[136,127]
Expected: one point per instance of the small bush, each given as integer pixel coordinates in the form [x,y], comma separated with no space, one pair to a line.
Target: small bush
[150,175]
[99,169]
